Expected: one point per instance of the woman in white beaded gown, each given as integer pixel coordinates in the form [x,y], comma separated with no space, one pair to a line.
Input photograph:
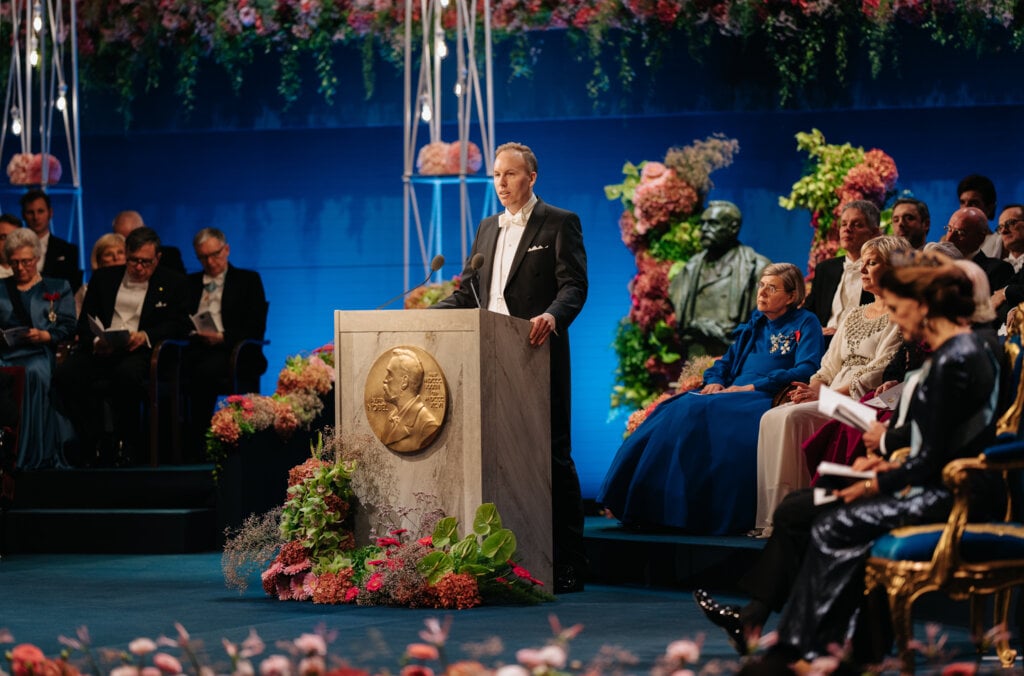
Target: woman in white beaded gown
[853,365]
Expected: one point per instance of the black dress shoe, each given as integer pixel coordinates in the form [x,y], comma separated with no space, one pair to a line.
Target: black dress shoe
[726,617]
[567,580]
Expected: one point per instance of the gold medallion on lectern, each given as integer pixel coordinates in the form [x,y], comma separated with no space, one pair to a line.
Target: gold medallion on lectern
[406,397]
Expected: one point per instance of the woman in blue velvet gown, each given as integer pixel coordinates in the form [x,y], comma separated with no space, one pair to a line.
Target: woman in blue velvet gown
[46,308]
[693,463]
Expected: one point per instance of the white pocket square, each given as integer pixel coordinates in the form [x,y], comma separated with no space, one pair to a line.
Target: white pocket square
[161,304]
[536,247]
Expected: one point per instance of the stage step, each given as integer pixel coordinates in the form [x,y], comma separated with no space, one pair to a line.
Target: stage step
[622,556]
[132,511]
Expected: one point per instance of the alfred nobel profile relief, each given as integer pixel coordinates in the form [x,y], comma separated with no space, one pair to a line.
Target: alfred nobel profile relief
[406,398]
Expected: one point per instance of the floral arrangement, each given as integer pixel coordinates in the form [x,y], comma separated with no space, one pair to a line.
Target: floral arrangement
[310,654]
[440,158]
[662,204]
[430,294]
[124,44]
[306,550]
[298,400]
[27,169]
[835,175]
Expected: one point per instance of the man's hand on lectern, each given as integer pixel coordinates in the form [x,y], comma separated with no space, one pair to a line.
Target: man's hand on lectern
[543,326]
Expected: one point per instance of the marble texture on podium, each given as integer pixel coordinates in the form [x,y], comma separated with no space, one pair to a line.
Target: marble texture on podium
[495,444]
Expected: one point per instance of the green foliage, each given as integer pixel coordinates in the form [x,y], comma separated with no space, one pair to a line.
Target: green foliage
[827,166]
[317,511]
[637,385]
[485,553]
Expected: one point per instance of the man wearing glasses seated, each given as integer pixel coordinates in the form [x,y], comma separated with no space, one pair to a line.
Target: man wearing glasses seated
[133,306]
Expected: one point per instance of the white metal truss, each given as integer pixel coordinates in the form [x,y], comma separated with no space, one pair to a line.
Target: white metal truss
[42,88]
[474,99]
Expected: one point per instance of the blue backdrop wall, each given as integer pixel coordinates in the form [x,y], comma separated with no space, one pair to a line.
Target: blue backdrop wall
[312,198]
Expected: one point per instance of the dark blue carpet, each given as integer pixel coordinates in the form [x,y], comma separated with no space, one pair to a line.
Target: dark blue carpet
[122,597]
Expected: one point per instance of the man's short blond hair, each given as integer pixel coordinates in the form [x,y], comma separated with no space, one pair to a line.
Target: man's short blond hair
[522,149]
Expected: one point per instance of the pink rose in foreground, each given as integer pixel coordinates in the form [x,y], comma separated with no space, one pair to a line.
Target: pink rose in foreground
[168,664]
[684,651]
[142,646]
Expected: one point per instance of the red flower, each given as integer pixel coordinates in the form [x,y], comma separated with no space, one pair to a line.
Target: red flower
[796,334]
[375,582]
[427,541]
[54,296]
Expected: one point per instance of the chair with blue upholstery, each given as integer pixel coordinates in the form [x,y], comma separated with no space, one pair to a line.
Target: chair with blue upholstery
[964,560]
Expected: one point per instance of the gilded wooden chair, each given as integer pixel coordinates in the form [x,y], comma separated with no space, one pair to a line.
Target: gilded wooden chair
[966,561]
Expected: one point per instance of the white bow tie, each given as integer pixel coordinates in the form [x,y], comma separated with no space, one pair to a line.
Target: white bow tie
[849,265]
[513,220]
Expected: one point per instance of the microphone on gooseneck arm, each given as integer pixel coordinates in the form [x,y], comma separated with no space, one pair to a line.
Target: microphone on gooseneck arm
[475,263]
[436,264]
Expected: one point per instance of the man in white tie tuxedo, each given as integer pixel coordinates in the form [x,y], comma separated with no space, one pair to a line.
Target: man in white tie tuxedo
[234,300]
[836,288]
[535,268]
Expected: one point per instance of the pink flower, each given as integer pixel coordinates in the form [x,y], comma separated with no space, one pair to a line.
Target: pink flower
[168,664]
[474,160]
[512,670]
[432,159]
[25,169]
[142,646]
[548,656]
[685,651]
[960,669]
[351,594]
[421,651]
[375,582]
[311,644]
[662,200]
[276,665]
[150,671]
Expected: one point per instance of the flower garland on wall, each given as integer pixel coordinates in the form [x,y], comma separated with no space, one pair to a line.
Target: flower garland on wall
[662,205]
[835,175]
[301,386]
[125,42]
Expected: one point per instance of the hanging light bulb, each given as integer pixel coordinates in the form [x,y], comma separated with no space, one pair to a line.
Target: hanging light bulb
[37,21]
[33,57]
[440,47]
[444,4]
[15,121]
[458,89]
[426,114]
[62,101]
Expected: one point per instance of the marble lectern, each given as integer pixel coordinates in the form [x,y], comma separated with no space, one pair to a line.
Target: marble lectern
[494,444]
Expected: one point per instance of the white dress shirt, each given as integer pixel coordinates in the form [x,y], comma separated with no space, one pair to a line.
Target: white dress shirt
[510,233]
[128,306]
[213,292]
[847,294]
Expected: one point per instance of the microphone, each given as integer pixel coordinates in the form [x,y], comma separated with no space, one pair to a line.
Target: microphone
[436,264]
[475,263]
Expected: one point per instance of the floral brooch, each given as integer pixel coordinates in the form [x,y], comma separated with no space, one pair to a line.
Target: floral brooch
[783,343]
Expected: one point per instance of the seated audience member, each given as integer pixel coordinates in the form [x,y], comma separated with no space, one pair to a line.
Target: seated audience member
[966,230]
[911,221]
[689,465]
[930,304]
[236,303]
[717,288]
[852,366]
[836,287]
[127,221]
[8,224]
[149,304]
[1011,229]
[60,258]
[108,251]
[979,192]
[44,307]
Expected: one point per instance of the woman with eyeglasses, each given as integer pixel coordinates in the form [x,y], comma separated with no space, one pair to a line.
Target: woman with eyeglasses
[852,366]
[35,314]
[691,464]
